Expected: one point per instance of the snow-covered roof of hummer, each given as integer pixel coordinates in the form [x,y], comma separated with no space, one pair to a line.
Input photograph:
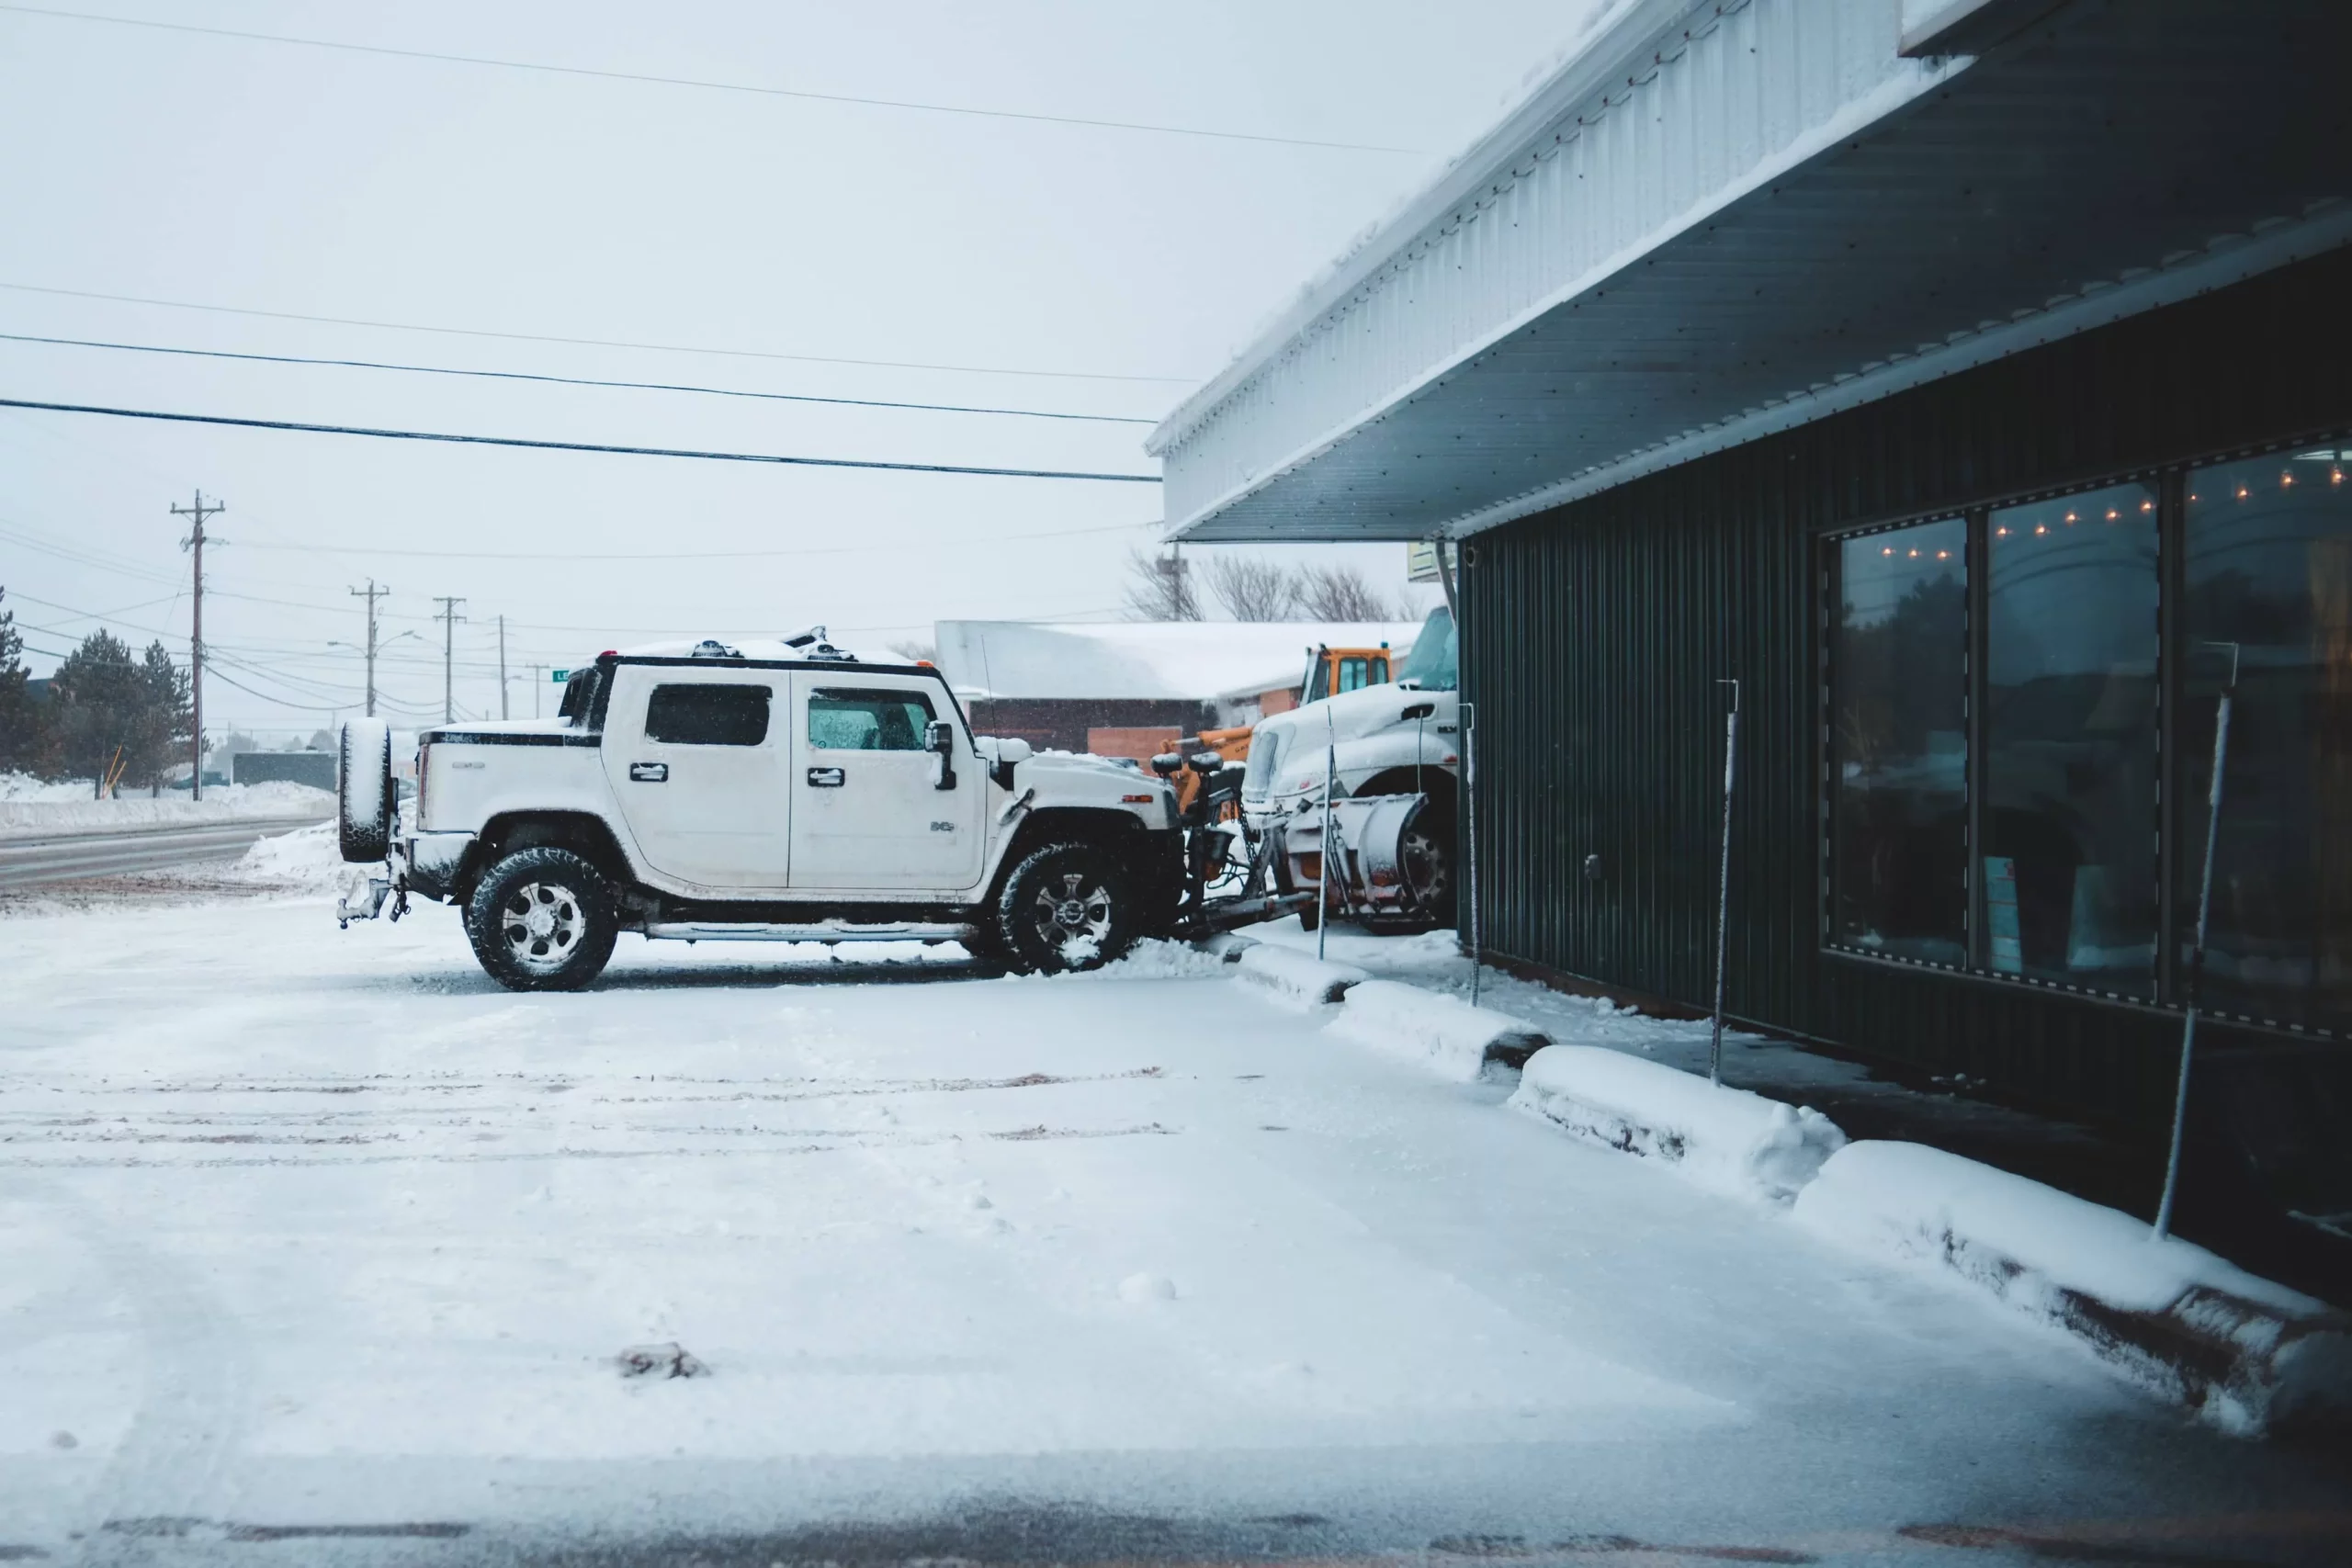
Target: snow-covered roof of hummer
[797,648]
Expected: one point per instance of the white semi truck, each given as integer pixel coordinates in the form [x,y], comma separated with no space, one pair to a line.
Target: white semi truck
[1393,756]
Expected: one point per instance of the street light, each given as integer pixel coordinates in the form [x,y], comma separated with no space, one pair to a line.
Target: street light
[369,653]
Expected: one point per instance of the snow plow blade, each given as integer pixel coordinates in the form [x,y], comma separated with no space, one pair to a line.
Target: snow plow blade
[1370,875]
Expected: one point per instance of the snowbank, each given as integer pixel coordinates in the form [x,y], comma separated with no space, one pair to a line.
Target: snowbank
[1294,977]
[309,858]
[1451,1036]
[1156,958]
[1726,1139]
[2248,1355]
[68,808]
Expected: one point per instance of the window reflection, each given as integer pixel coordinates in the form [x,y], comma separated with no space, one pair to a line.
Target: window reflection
[2068,883]
[2270,568]
[1898,744]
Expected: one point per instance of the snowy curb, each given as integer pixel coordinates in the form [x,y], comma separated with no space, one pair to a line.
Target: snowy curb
[2247,1356]
[1726,1139]
[1294,977]
[1452,1037]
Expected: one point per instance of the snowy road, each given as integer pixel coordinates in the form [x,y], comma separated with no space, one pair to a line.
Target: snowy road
[316,1247]
[29,858]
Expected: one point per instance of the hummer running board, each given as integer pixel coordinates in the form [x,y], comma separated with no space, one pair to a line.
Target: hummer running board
[816,930]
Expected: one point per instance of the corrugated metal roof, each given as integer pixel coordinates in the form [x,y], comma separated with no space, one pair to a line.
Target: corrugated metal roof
[1188,661]
[1778,216]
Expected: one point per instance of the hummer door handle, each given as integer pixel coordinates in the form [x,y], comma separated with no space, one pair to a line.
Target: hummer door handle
[648,772]
[827,778]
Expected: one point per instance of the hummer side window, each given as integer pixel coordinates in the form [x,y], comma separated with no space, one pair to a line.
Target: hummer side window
[707,715]
[841,720]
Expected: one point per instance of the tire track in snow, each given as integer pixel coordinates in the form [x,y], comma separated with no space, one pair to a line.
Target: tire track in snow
[180,1124]
[192,1414]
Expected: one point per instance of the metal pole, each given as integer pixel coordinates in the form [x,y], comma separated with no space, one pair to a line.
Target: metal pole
[193,542]
[502,667]
[1323,861]
[1470,823]
[2197,952]
[195,652]
[1722,884]
[448,617]
[371,593]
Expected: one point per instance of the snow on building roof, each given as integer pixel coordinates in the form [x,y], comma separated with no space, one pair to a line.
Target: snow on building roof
[1178,660]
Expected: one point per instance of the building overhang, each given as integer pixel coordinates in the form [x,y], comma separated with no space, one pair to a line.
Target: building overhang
[1727,219]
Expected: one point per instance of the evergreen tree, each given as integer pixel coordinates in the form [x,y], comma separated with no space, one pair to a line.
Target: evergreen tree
[98,700]
[21,727]
[166,720]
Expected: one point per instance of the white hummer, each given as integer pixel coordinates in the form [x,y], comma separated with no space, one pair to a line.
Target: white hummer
[780,791]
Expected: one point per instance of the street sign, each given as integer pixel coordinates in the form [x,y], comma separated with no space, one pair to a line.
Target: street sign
[1420,561]
[561,675]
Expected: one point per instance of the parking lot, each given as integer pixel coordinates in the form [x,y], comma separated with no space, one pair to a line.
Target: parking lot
[324,1248]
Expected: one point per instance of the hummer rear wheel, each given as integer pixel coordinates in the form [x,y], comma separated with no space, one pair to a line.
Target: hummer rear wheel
[542,919]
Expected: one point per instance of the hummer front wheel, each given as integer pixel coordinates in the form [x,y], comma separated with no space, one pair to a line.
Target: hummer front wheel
[1066,907]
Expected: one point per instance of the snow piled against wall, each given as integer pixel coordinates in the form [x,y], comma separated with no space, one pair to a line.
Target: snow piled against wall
[1442,1033]
[1914,1203]
[1726,1139]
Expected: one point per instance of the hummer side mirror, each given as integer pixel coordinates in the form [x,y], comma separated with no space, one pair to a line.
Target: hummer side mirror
[939,740]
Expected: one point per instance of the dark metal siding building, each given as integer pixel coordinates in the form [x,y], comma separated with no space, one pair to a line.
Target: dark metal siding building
[1902,360]
[1595,633]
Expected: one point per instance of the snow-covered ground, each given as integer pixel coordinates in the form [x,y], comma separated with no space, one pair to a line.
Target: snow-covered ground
[30,809]
[317,1232]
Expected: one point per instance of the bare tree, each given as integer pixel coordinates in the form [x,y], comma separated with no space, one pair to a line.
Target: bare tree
[1340,594]
[1254,589]
[1160,588]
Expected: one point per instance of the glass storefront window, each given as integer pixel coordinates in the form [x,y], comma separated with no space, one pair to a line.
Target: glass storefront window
[2067,878]
[1898,663]
[2269,567]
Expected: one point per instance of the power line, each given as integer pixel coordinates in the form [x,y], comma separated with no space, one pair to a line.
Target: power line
[573,380]
[707,85]
[576,445]
[693,555]
[281,702]
[589,341]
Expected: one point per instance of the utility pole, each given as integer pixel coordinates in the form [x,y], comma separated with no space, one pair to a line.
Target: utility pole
[194,544]
[537,670]
[448,617]
[502,667]
[371,593]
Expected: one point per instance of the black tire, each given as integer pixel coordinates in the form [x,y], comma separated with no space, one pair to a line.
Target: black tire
[1066,907]
[363,795]
[542,919]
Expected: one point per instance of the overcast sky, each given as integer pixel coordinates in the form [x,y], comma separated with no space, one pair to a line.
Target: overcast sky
[1079,269]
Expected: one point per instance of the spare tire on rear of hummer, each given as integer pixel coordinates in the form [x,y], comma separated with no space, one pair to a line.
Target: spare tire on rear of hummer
[364,794]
